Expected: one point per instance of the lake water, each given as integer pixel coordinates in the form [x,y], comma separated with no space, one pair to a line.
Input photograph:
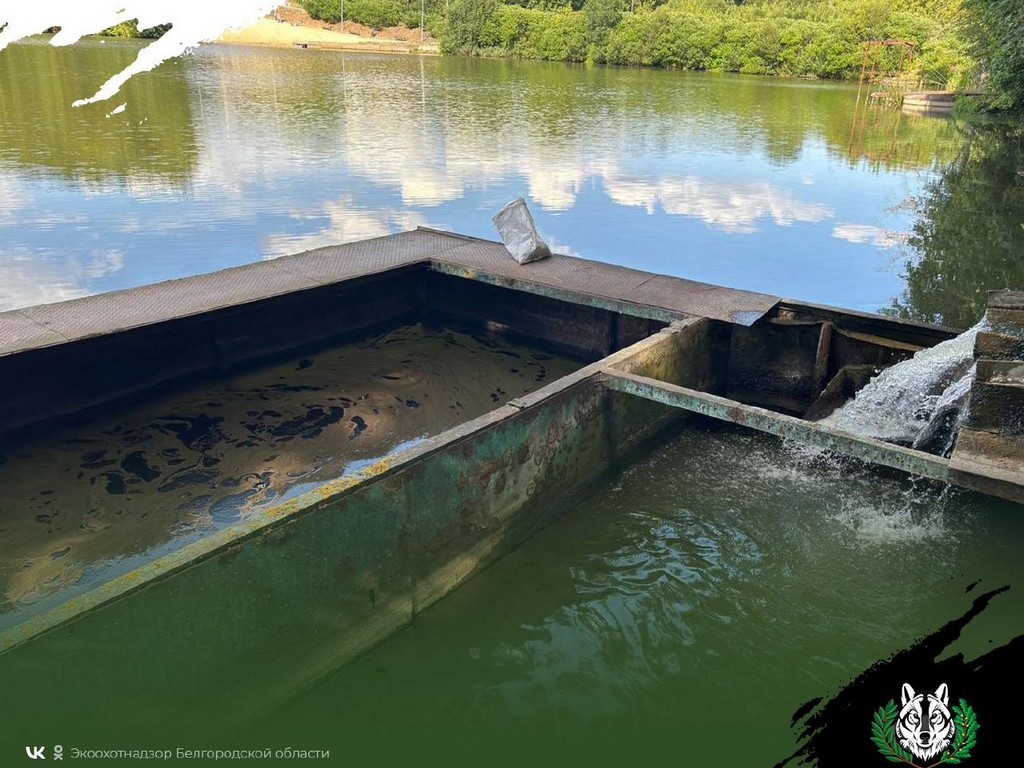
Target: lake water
[233,154]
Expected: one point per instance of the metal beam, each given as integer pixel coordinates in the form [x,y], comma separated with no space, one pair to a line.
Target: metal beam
[812,433]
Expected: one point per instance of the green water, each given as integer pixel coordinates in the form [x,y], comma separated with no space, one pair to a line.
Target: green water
[232,155]
[698,599]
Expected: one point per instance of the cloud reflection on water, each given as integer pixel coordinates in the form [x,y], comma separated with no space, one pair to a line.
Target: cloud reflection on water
[262,153]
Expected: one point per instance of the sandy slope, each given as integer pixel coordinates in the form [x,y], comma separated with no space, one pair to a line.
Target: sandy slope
[291,25]
[278,33]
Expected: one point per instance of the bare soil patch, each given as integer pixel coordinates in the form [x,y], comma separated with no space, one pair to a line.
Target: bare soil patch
[292,13]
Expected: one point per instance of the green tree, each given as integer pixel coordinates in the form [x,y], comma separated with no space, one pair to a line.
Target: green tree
[1001,47]
[325,10]
[601,17]
[464,24]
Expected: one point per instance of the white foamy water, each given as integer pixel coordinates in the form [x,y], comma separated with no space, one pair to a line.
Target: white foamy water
[192,22]
[901,403]
[898,515]
[873,512]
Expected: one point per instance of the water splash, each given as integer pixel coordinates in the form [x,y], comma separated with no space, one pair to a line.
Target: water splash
[192,22]
[904,516]
[874,510]
[919,402]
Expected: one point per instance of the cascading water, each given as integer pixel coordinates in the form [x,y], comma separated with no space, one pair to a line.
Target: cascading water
[919,402]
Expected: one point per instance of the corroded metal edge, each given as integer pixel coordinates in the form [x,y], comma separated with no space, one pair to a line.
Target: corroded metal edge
[763,420]
[1004,480]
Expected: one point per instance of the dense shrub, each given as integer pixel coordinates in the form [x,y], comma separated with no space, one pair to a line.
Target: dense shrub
[601,17]
[1000,40]
[467,23]
[325,10]
[798,38]
[533,34]
[377,14]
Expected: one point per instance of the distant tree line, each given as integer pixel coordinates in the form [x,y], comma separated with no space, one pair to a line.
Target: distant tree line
[960,43]
[377,14]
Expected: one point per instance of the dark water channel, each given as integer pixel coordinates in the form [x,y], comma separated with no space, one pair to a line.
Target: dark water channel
[700,597]
[79,504]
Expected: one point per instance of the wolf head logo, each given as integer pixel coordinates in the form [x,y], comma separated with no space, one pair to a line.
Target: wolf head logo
[925,726]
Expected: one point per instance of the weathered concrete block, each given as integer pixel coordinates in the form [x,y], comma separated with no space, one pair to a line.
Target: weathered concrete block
[989,463]
[1005,299]
[997,407]
[1001,372]
[994,345]
[1006,319]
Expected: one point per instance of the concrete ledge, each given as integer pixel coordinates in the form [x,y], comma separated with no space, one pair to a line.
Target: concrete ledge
[643,294]
[18,332]
[109,313]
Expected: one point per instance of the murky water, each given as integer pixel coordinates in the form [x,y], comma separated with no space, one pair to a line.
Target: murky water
[232,155]
[78,504]
[693,605]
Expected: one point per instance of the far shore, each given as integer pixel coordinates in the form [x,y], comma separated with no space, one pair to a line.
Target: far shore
[281,34]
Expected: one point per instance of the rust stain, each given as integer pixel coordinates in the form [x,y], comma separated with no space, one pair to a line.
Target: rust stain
[467,509]
[522,453]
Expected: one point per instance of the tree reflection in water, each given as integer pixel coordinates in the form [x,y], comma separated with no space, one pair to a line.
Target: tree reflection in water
[968,237]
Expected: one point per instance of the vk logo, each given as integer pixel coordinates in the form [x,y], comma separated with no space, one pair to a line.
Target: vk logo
[36,753]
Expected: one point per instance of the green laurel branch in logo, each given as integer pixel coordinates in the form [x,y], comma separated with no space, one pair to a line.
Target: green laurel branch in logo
[966,734]
[883,734]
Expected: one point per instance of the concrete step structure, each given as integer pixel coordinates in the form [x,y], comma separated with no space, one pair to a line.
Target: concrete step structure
[991,441]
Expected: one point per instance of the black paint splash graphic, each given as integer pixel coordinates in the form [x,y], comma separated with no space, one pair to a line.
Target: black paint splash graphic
[837,733]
